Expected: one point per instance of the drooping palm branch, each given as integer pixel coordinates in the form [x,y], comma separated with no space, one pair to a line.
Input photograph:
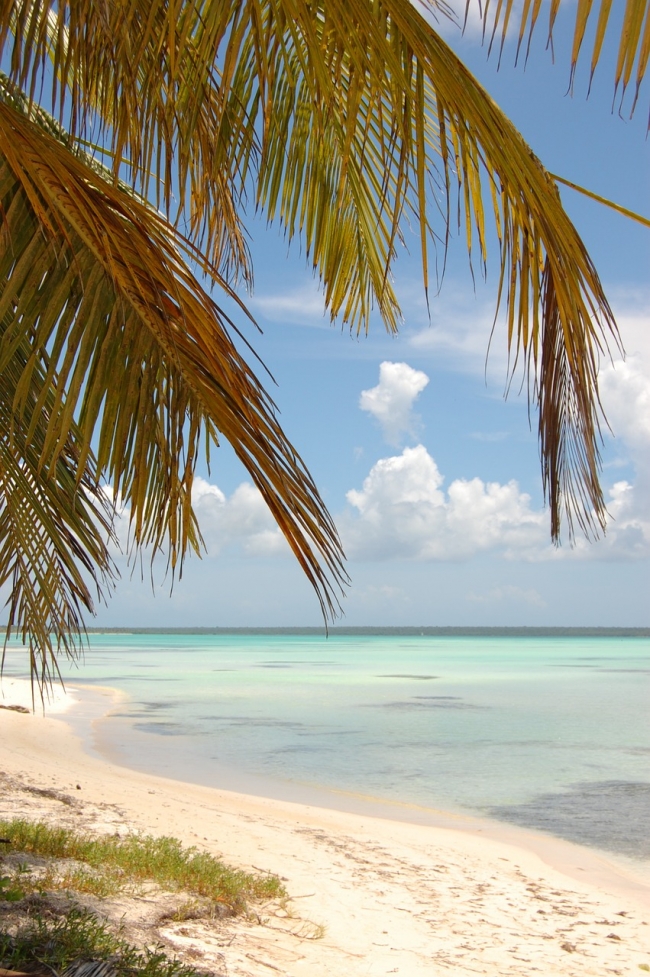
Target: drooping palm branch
[133,351]
[342,120]
[53,530]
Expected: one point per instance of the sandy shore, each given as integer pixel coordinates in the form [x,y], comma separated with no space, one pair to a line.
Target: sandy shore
[382,897]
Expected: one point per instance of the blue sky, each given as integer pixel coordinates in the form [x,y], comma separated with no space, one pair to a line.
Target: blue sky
[434,479]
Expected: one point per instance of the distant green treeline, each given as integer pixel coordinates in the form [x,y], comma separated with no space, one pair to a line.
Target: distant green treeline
[470,632]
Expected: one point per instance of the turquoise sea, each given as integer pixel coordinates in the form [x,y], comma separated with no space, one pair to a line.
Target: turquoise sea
[546,732]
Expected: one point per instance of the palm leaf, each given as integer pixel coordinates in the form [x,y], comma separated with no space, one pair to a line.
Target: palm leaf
[137,80]
[361,165]
[54,529]
[137,351]
[341,120]
[633,32]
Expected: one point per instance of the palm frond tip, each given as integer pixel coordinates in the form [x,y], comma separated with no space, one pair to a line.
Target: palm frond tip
[630,26]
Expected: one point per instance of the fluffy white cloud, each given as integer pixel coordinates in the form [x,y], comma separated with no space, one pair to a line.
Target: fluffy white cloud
[625,393]
[119,544]
[403,512]
[391,401]
[243,519]
[467,17]
[628,529]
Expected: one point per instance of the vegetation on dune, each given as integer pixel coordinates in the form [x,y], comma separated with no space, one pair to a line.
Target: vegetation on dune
[48,935]
[52,945]
[118,861]
[134,138]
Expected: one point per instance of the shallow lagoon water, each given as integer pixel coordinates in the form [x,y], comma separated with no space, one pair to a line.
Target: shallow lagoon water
[546,732]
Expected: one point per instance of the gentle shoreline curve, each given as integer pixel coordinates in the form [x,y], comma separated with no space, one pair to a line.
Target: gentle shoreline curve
[615,872]
[393,897]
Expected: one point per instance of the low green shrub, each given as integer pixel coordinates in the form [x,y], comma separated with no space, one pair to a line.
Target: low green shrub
[145,858]
[81,935]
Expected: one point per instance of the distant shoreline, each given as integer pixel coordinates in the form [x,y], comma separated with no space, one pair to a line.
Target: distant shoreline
[473,632]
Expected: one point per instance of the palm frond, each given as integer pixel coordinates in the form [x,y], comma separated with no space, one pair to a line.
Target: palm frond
[345,120]
[140,81]
[54,528]
[138,352]
[506,17]
[367,113]
[624,211]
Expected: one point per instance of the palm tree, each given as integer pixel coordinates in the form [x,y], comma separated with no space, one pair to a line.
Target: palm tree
[134,136]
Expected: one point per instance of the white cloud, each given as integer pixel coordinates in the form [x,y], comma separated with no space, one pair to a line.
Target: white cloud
[628,526]
[468,19]
[625,393]
[457,333]
[470,16]
[119,544]
[628,530]
[402,512]
[243,519]
[391,401]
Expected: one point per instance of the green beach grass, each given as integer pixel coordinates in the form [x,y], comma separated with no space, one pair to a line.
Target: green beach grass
[60,859]
[80,935]
[113,862]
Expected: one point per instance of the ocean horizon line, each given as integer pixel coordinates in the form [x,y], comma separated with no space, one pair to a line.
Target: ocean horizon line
[406,630]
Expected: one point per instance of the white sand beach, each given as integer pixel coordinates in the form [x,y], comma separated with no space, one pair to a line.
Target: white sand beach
[368,896]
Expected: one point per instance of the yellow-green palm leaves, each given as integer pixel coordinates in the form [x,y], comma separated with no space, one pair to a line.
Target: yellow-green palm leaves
[341,119]
[54,530]
[629,20]
[118,343]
